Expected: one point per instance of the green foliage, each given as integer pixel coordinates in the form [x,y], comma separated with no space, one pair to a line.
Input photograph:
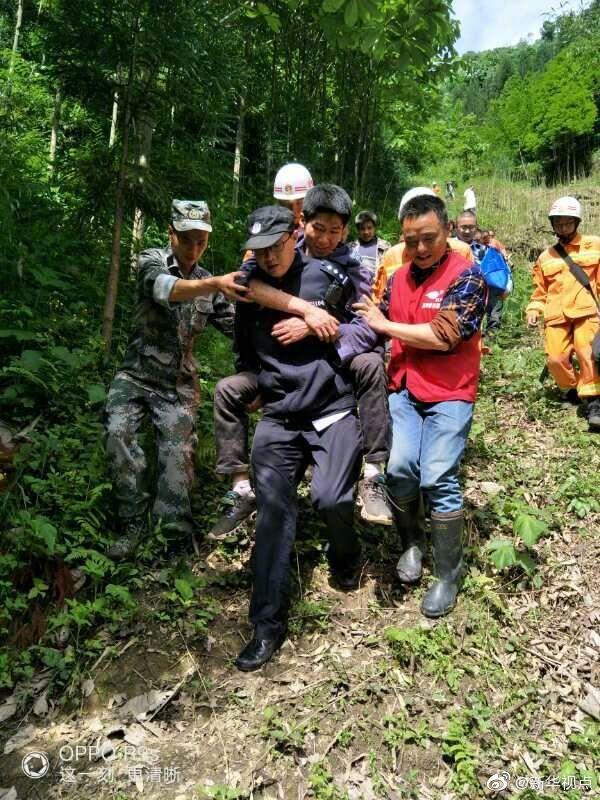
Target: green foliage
[308,615]
[284,736]
[462,753]
[322,785]
[220,792]
[399,731]
[530,110]
[432,649]
[505,553]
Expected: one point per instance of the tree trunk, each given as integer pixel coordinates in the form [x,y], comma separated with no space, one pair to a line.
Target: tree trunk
[112,285]
[113,120]
[54,131]
[15,47]
[239,146]
[145,128]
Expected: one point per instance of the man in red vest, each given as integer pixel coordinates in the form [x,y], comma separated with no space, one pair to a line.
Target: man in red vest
[435,312]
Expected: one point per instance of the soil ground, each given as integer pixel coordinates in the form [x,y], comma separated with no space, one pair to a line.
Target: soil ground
[367,698]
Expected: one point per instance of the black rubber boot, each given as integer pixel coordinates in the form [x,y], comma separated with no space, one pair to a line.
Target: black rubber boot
[446,540]
[406,517]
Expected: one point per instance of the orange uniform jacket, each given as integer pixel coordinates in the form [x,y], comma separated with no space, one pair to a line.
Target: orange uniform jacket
[557,294]
[396,257]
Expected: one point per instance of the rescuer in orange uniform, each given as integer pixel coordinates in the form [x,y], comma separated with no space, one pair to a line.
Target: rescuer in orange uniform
[569,311]
[396,256]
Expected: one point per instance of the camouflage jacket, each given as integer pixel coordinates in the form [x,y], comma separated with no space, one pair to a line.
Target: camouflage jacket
[160,355]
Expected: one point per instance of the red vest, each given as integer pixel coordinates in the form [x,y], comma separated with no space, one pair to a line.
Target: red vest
[432,376]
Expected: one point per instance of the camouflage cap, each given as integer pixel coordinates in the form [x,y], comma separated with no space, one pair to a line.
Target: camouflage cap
[190,215]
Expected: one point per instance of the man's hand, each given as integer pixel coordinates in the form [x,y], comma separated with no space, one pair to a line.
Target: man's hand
[255,404]
[533,317]
[232,290]
[290,330]
[323,325]
[370,312]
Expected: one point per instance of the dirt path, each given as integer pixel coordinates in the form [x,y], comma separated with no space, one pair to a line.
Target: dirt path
[367,699]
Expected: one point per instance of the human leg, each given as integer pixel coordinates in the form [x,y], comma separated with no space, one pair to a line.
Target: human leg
[588,386]
[370,387]
[558,342]
[403,481]
[277,451]
[493,311]
[336,455]
[175,424]
[231,399]
[125,410]
[446,428]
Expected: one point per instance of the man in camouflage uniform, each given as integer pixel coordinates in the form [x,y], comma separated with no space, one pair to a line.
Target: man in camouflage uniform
[176,299]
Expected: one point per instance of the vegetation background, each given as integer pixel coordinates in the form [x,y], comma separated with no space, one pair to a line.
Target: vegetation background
[107,111]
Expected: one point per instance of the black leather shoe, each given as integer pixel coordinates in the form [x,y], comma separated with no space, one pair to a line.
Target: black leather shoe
[257,652]
[346,576]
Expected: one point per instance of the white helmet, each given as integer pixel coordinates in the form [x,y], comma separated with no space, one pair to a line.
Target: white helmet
[565,207]
[418,191]
[292,182]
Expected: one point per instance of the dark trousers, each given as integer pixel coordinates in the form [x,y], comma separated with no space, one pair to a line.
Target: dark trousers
[233,394]
[279,452]
[493,310]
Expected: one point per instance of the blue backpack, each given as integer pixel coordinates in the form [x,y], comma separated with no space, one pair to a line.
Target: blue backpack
[495,270]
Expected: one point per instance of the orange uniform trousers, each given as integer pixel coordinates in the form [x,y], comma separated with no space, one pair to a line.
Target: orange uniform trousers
[573,337]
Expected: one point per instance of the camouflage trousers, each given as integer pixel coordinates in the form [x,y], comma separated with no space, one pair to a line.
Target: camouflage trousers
[174,424]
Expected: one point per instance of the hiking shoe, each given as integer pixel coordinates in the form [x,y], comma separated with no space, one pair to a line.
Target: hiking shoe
[126,545]
[572,397]
[238,507]
[594,414]
[373,501]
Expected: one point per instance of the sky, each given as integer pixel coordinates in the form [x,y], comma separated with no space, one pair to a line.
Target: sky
[486,24]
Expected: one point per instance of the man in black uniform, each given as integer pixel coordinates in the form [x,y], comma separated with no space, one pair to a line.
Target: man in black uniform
[235,394]
[309,412]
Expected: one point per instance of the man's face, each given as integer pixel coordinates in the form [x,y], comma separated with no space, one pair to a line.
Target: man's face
[466,226]
[486,237]
[188,246]
[278,258]
[323,233]
[366,231]
[295,206]
[564,227]
[425,239]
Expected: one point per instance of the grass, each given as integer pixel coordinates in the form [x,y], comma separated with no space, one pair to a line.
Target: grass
[367,699]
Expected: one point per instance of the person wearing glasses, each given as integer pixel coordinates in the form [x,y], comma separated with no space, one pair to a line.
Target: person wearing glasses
[322,237]
[309,407]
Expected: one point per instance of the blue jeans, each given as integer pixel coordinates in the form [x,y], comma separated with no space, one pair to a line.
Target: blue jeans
[427,446]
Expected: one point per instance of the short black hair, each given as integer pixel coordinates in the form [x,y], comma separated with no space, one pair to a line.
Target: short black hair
[366,216]
[327,198]
[423,204]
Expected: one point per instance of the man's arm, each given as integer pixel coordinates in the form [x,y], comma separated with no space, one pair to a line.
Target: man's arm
[458,319]
[420,335]
[537,301]
[322,324]
[182,290]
